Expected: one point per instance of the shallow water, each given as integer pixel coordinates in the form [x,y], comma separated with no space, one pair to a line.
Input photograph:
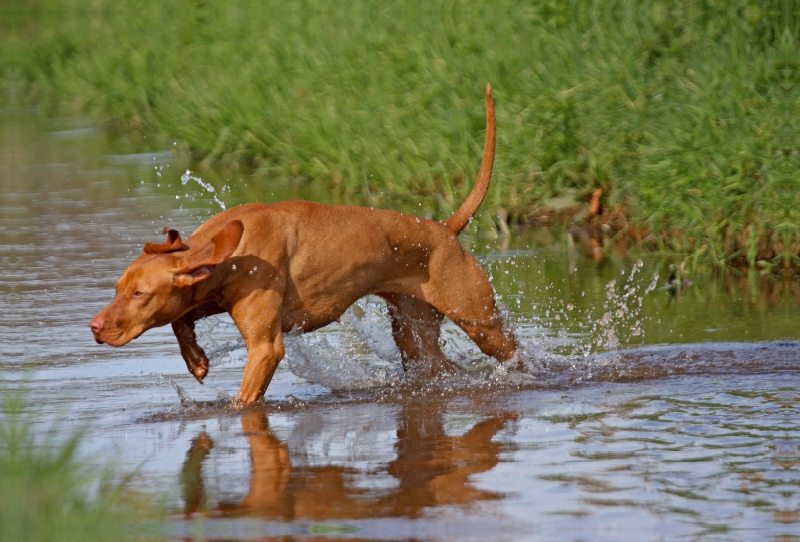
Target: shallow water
[644,413]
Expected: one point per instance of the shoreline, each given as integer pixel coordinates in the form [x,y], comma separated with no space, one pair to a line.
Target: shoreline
[677,111]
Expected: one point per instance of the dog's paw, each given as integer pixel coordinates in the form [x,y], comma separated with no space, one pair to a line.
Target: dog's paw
[200,372]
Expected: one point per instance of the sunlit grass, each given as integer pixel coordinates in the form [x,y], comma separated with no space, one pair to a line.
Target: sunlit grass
[47,493]
[684,112]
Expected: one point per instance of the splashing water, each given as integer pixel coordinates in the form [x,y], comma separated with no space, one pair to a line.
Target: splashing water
[584,332]
[211,333]
[340,361]
[314,358]
[186,177]
[370,320]
[182,395]
[223,397]
[367,359]
[595,353]
[622,310]
[360,352]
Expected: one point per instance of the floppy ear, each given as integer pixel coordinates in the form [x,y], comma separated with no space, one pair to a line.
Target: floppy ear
[200,263]
[172,244]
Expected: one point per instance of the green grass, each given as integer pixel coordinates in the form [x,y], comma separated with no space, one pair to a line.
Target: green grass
[46,492]
[685,112]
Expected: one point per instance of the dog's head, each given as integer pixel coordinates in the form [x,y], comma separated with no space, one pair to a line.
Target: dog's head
[162,284]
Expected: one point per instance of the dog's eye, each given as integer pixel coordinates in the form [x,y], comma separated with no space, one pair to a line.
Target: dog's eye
[137,293]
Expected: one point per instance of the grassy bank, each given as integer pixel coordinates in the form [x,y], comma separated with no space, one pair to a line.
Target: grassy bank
[684,112]
[45,490]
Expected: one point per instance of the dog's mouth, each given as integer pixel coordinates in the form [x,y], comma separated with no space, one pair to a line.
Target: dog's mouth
[117,341]
[110,342]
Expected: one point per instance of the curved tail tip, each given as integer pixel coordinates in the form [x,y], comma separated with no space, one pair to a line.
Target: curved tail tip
[488,89]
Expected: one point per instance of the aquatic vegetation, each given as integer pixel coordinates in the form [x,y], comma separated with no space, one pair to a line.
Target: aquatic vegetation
[681,111]
[46,492]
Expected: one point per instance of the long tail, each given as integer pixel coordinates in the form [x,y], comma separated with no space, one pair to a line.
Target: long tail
[462,216]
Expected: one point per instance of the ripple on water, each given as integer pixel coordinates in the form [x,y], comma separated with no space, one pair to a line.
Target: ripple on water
[597,437]
[701,458]
[359,353]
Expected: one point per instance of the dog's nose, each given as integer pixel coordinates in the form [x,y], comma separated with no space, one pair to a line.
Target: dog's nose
[97,324]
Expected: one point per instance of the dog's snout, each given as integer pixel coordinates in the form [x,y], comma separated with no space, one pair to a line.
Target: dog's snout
[97,324]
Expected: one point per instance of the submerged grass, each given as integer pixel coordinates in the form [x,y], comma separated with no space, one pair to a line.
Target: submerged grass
[46,493]
[684,112]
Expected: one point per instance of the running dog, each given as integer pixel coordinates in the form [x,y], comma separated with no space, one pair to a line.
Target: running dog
[297,266]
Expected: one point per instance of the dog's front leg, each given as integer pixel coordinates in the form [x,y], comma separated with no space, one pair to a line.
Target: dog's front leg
[258,318]
[192,353]
[262,360]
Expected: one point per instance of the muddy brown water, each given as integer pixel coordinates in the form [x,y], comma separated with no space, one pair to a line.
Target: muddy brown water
[644,413]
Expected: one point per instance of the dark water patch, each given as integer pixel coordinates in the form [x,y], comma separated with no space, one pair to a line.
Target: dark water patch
[704,359]
[465,527]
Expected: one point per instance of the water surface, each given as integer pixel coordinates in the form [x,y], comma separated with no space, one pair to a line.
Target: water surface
[645,412]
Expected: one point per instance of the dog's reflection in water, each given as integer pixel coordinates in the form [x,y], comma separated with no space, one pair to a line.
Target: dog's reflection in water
[431,469]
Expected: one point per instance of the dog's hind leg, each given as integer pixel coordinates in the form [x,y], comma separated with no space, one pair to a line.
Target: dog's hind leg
[415,328]
[462,292]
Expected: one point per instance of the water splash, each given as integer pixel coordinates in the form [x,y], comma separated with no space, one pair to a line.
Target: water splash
[182,395]
[359,352]
[561,327]
[186,177]
[622,311]
[314,358]
[370,319]
[211,334]
[223,398]
[586,341]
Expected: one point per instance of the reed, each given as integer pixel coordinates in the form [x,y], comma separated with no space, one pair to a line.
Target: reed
[683,111]
[47,493]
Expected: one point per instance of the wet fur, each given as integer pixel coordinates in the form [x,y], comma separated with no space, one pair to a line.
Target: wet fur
[297,266]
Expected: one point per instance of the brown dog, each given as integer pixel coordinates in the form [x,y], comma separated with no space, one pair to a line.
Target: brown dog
[297,266]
